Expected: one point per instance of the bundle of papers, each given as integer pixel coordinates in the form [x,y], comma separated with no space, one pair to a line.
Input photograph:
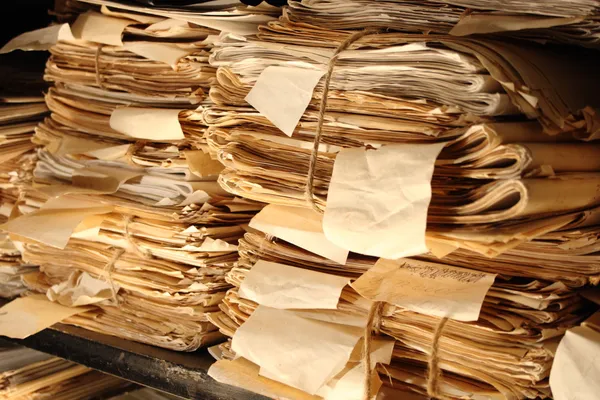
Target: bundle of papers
[28,374]
[506,353]
[574,22]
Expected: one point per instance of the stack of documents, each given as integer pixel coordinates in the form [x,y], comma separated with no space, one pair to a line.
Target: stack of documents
[125,217]
[573,22]
[28,374]
[506,353]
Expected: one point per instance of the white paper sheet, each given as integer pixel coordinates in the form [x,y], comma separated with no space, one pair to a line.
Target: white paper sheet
[282,94]
[147,123]
[427,288]
[301,227]
[285,287]
[40,39]
[299,352]
[378,199]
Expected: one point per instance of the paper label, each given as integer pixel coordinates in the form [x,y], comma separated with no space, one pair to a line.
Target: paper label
[282,94]
[147,123]
[427,288]
[301,227]
[99,28]
[378,199]
[40,39]
[299,352]
[285,287]
[27,316]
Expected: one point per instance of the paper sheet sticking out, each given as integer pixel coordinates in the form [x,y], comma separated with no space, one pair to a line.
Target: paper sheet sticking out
[55,222]
[99,28]
[147,123]
[201,164]
[26,316]
[481,23]
[81,289]
[299,352]
[167,53]
[301,227]
[427,288]
[378,199]
[576,366]
[40,39]
[285,287]
[282,94]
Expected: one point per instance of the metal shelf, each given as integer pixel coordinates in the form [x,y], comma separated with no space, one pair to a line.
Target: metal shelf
[180,374]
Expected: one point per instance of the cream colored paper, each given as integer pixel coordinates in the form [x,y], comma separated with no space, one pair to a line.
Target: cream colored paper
[299,352]
[54,223]
[489,23]
[81,289]
[301,227]
[282,94]
[285,287]
[147,123]
[378,199]
[26,316]
[427,288]
[100,28]
[40,39]
[167,53]
[141,18]
[350,384]
[576,366]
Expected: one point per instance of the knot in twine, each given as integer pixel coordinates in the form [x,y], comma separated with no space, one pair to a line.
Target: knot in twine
[314,155]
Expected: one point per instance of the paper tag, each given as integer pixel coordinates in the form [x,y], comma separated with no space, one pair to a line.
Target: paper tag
[40,39]
[427,288]
[299,226]
[286,287]
[147,123]
[576,366]
[100,28]
[282,94]
[378,199]
[299,352]
[27,316]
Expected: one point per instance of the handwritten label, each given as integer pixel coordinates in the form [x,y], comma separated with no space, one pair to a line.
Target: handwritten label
[428,288]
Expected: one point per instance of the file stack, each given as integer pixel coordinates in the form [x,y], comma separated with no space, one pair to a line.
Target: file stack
[126,214]
[458,187]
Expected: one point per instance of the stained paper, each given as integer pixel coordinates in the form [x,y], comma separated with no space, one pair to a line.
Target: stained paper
[286,287]
[100,28]
[298,352]
[201,164]
[378,199]
[301,227]
[26,316]
[282,94]
[427,288]
[147,123]
[40,39]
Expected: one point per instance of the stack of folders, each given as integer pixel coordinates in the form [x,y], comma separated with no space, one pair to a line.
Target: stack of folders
[448,227]
[125,216]
[22,107]
[28,374]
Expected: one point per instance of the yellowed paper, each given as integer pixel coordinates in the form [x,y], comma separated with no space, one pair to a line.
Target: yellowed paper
[26,316]
[100,28]
[285,287]
[167,53]
[54,223]
[141,18]
[201,164]
[40,39]
[378,199]
[490,23]
[147,123]
[282,94]
[301,227]
[576,366]
[427,288]
[82,289]
[299,352]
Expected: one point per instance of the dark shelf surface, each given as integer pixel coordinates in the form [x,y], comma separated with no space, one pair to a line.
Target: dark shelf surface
[180,374]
